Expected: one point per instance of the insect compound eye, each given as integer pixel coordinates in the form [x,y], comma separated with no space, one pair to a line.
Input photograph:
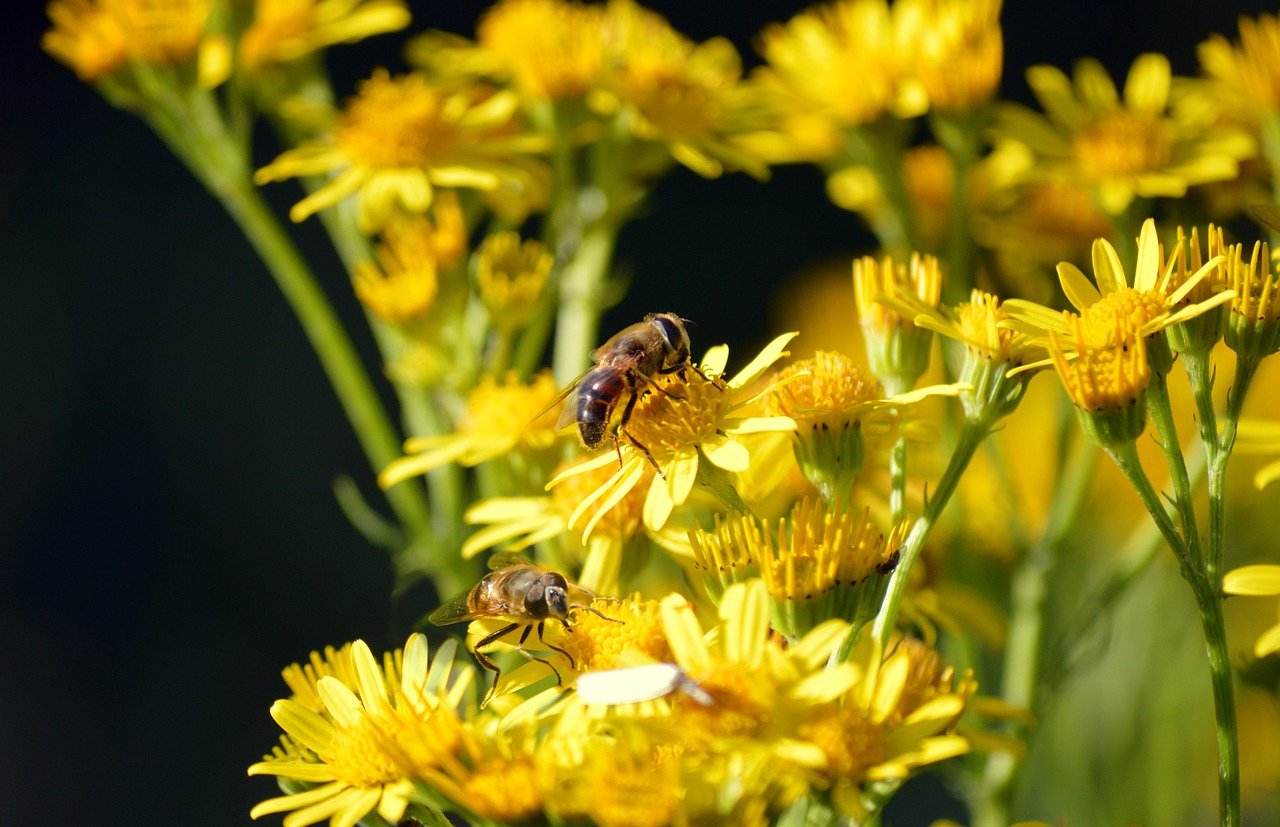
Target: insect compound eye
[673,332]
[557,601]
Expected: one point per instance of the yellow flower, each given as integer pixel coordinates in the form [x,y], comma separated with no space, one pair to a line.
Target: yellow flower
[87,36]
[499,417]
[493,774]
[689,97]
[956,49]
[897,714]
[1155,301]
[378,728]
[817,564]
[1108,377]
[1249,71]
[400,138]
[1135,146]
[1259,581]
[1253,327]
[683,419]
[404,288]
[516,523]
[285,30]
[897,350]
[98,37]
[511,275]
[839,60]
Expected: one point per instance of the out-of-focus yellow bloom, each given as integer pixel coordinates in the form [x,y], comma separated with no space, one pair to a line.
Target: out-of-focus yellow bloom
[493,774]
[1260,581]
[956,49]
[897,350]
[500,416]
[400,138]
[378,728]
[840,60]
[285,30]
[403,288]
[1249,69]
[1135,146]
[98,37]
[510,276]
[686,417]
[552,49]
[929,176]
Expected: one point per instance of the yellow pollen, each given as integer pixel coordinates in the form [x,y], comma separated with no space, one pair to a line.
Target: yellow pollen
[503,790]
[727,548]
[677,411]
[851,741]
[1124,144]
[357,757]
[596,643]
[824,391]
[1104,377]
[978,320]
[1136,307]
[396,122]
[501,411]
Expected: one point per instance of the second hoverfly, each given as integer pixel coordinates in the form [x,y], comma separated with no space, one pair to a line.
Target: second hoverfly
[526,596]
[626,362]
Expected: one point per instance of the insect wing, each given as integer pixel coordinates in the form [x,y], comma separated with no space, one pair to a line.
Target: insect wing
[569,412]
[455,611]
[634,684]
[504,560]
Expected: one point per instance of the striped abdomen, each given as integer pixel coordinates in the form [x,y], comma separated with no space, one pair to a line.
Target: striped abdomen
[598,394]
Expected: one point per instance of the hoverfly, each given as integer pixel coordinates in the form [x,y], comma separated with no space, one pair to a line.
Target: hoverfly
[528,596]
[630,358]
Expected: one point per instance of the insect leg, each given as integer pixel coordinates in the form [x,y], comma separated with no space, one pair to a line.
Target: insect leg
[594,611]
[531,656]
[488,664]
[572,663]
[648,454]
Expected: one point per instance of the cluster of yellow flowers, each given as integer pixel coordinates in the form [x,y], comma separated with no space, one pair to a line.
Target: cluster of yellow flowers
[741,584]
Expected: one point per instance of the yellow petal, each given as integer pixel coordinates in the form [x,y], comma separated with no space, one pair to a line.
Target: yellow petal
[684,635]
[1107,269]
[1146,89]
[369,678]
[1080,291]
[1268,643]
[601,565]
[341,703]
[657,505]
[727,454]
[1260,580]
[1147,269]
[627,478]
[714,362]
[292,802]
[744,610]
[304,726]
[772,352]
[1267,475]
[1094,85]
[681,471]
[598,461]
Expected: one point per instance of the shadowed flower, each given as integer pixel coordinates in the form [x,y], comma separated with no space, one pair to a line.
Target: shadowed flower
[1122,147]
[500,416]
[400,138]
[680,421]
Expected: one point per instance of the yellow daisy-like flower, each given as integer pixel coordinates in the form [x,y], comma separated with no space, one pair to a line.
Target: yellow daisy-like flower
[1155,301]
[897,350]
[896,714]
[285,30]
[1249,70]
[691,98]
[96,38]
[956,48]
[379,727]
[404,287]
[511,275]
[516,523]
[817,564]
[1108,377]
[500,416]
[683,419]
[1122,147]
[840,60]
[1253,326]
[401,137]
[493,773]
[1257,581]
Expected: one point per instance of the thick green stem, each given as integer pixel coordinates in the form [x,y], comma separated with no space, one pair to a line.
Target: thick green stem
[1200,374]
[582,293]
[1161,411]
[971,435]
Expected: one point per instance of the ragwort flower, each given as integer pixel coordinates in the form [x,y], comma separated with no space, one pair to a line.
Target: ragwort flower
[1122,147]
[401,137]
[682,420]
[286,30]
[499,417]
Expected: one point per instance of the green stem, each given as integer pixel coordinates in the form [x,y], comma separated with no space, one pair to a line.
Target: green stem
[898,480]
[1209,601]
[1161,411]
[582,290]
[961,135]
[1246,368]
[1026,627]
[1200,374]
[879,147]
[1125,456]
[971,435]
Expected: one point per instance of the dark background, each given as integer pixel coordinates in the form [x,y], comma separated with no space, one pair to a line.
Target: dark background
[168,540]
